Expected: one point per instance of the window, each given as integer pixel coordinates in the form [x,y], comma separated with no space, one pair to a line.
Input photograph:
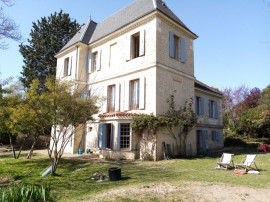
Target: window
[111,98]
[215,135]
[85,95]
[136,45]
[94,62]
[134,94]
[135,40]
[213,109]
[67,67]
[177,47]
[199,105]
[124,135]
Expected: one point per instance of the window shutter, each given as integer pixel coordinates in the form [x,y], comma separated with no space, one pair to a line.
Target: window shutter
[183,50]
[210,109]
[101,135]
[63,71]
[204,140]
[111,137]
[105,91]
[171,45]
[122,96]
[213,135]
[117,97]
[118,136]
[202,106]
[99,60]
[216,109]
[218,135]
[196,105]
[128,44]
[126,100]
[89,63]
[70,66]
[142,93]
[142,42]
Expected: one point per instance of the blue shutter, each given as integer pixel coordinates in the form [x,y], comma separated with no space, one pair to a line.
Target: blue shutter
[213,135]
[210,109]
[202,106]
[204,140]
[102,136]
[183,50]
[218,135]
[111,137]
[216,109]
[118,136]
[171,45]
[196,107]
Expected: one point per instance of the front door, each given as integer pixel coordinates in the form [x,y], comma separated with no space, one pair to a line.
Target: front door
[201,141]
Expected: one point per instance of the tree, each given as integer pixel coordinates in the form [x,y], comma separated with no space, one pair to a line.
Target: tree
[62,108]
[8,28]
[180,121]
[47,37]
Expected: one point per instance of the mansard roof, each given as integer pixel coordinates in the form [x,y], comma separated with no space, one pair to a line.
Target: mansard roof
[92,31]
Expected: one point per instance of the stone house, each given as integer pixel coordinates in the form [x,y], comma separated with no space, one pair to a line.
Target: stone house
[135,59]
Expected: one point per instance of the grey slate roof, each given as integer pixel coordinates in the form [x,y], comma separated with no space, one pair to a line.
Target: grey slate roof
[83,35]
[92,31]
[200,85]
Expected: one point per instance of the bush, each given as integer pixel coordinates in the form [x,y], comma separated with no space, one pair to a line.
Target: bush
[234,141]
[27,193]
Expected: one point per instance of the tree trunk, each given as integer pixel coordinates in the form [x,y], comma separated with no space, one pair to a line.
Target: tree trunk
[22,147]
[32,149]
[11,145]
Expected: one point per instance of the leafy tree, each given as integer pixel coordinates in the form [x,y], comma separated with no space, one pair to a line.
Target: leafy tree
[62,108]
[180,121]
[47,37]
[8,28]
[10,97]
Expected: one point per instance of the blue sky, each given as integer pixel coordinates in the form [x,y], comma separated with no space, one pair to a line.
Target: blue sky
[233,47]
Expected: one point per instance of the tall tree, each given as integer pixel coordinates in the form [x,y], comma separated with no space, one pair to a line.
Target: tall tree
[65,111]
[47,37]
[8,28]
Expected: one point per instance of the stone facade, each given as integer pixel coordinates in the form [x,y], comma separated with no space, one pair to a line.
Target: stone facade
[131,71]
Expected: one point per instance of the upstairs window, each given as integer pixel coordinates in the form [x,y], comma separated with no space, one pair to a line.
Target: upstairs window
[111,98]
[67,67]
[213,109]
[136,45]
[177,47]
[94,61]
[135,50]
[134,94]
[199,105]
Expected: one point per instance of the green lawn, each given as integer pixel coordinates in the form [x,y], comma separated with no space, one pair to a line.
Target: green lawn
[74,180]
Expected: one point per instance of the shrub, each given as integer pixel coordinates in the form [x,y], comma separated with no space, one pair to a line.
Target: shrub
[27,193]
[234,141]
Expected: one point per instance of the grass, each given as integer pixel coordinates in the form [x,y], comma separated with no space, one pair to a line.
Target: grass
[74,182]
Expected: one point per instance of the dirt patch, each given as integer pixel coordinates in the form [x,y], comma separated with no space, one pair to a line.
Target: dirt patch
[192,191]
[8,180]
